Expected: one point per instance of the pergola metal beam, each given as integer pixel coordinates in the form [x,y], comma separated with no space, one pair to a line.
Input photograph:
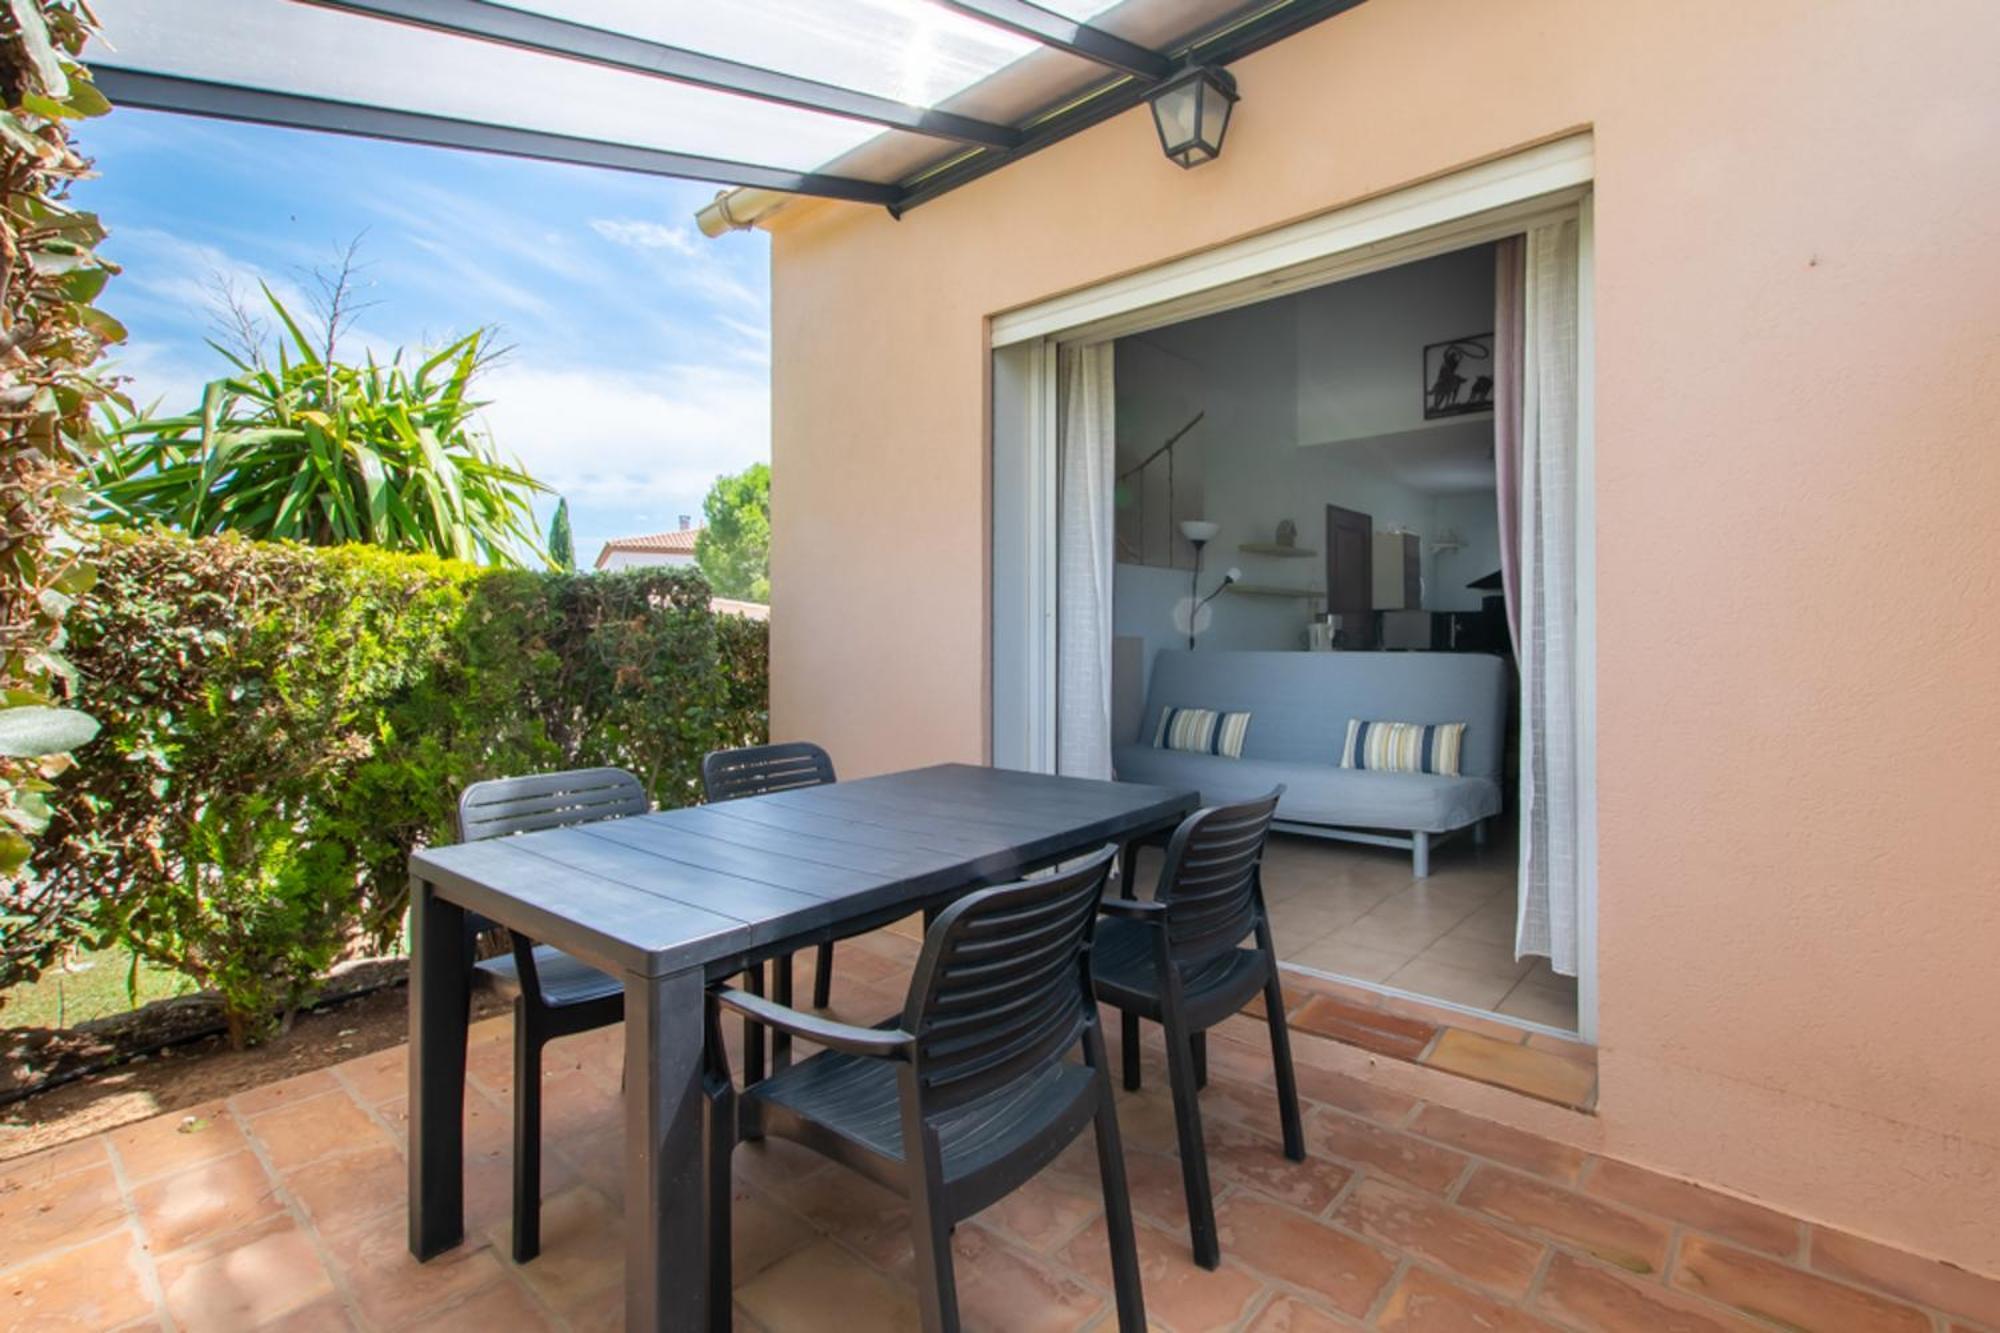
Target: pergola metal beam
[1063,34]
[576,41]
[1250,29]
[163,92]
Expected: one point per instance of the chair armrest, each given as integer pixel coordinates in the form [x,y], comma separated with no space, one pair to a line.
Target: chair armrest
[1133,909]
[879,1043]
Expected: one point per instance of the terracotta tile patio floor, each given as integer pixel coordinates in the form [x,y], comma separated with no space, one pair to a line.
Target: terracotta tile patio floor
[283,1209]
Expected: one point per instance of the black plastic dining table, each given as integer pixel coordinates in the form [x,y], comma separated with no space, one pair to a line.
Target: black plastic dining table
[672,901]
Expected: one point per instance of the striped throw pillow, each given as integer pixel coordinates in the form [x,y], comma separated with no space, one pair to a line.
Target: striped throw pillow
[1404,747]
[1202,731]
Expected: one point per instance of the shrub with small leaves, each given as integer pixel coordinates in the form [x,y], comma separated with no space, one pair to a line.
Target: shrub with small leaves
[284,724]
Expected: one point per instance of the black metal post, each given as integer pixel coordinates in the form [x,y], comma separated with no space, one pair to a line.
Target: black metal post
[1194,593]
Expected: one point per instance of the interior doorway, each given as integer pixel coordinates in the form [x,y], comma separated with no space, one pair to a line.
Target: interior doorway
[1347,496]
[1335,491]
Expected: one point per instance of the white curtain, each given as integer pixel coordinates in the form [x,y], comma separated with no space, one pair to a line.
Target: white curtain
[1083,562]
[1546,645]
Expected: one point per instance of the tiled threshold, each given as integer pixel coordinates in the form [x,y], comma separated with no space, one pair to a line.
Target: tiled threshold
[282,1208]
[1520,1058]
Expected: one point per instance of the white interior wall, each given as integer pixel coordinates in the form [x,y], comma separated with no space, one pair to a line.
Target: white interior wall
[1306,400]
[1475,520]
[1361,342]
[1145,598]
[1163,381]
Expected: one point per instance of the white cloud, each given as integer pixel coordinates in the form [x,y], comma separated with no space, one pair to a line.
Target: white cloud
[629,439]
[709,280]
[481,283]
[178,281]
[159,375]
[756,333]
[643,235]
[189,275]
[681,258]
[465,221]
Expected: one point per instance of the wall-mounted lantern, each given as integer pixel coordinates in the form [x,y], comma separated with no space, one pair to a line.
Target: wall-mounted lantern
[1191,111]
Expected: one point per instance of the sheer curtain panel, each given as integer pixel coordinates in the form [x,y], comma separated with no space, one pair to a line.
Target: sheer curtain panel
[1546,640]
[1083,562]
[1509,296]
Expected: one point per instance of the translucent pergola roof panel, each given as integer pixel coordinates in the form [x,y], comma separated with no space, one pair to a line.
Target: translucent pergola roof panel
[304,50]
[1042,78]
[880,101]
[909,50]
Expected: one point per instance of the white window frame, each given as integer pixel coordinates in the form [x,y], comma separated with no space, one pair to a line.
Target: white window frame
[1479,203]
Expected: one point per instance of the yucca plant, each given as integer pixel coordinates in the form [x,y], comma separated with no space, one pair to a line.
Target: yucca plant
[318,451]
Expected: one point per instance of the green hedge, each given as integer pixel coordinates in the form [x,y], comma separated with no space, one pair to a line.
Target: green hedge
[284,724]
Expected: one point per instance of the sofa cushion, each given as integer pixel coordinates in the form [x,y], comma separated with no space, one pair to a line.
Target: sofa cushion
[1319,793]
[1202,731]
[1403,747]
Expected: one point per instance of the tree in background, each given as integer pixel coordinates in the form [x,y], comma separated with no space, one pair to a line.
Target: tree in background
[734,549]
[50,337]
[297,445]
[562,545]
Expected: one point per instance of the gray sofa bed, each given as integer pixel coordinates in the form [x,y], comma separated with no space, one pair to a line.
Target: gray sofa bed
[1299,705]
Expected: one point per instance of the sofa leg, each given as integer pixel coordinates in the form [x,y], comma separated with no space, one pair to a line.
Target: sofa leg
[1420,855]
[1480,836]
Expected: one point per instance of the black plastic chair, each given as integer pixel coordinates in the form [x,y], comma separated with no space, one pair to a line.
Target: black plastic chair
[1179,961]
[727,775]
[960,1102]
[555,995]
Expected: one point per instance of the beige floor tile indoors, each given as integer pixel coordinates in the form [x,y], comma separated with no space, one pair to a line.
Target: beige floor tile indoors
[1356,912]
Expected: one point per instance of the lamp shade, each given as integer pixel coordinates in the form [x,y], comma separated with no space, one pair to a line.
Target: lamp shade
[1199,530]
[1191,112]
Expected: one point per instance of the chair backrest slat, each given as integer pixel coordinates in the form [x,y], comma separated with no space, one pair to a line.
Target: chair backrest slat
[1003,984]
[500,806]
[1209,882]
[755,770]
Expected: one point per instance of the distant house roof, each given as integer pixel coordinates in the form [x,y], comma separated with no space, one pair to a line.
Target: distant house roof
[729,606]
[658,543]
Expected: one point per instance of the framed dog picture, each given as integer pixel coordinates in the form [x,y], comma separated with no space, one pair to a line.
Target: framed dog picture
[1458,376]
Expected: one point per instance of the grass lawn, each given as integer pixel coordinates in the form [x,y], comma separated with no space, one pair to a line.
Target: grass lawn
[92,985]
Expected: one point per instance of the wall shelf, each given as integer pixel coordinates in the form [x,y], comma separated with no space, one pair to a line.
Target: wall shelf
[1272,548]
[1272,590]
[1404,434]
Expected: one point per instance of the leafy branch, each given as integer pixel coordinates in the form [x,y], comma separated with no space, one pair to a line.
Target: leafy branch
[51,337]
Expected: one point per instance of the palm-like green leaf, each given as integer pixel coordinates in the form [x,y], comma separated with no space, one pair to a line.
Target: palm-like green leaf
[325,453]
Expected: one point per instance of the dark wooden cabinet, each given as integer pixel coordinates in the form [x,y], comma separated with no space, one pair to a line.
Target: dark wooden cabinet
[1350,574]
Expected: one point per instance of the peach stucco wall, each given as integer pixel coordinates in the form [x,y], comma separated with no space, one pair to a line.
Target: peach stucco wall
[1798,508]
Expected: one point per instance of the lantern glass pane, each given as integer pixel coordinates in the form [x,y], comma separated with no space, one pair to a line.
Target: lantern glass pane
[1214,118]
[1178,113]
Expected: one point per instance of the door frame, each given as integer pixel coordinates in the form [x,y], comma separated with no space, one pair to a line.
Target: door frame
[1496,198]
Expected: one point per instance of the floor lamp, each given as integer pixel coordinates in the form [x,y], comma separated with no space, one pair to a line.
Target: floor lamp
[1200,532]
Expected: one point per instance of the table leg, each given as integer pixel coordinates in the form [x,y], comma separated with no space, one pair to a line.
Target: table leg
[781,993]
[440,992]
[664,1223]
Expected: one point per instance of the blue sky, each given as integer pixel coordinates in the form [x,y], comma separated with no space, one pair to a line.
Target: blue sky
[640,367]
